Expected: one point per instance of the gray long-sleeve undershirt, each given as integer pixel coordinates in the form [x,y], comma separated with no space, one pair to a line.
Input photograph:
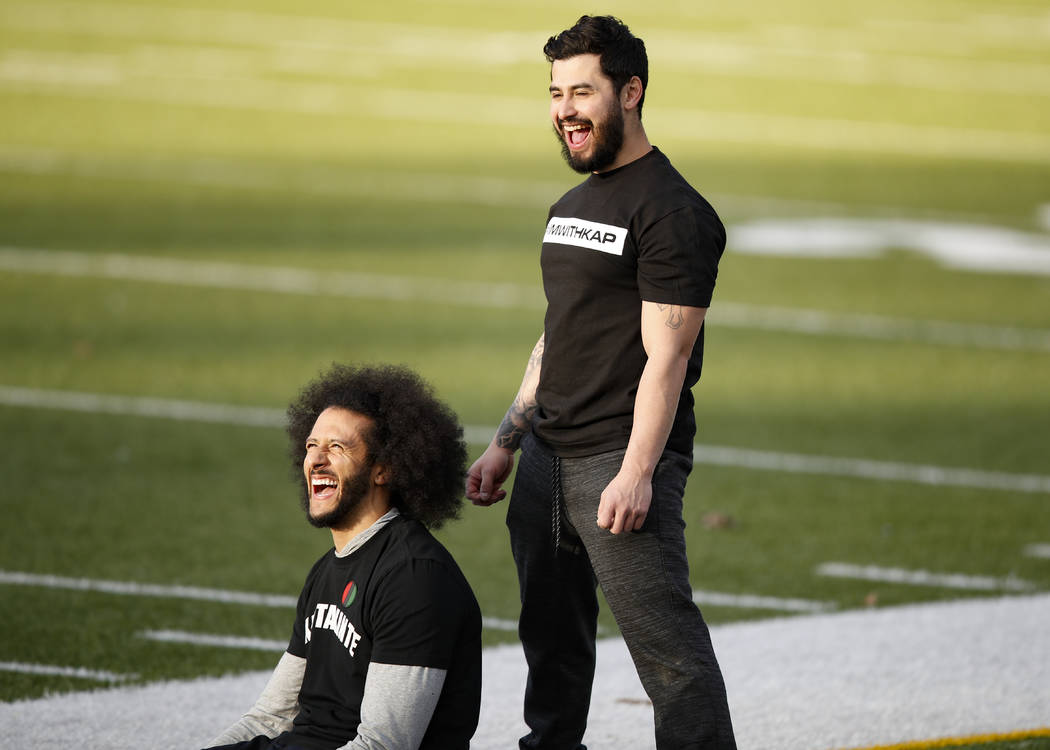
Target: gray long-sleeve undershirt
[396,708]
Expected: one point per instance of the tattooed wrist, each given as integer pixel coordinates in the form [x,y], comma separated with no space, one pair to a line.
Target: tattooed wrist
[514,426]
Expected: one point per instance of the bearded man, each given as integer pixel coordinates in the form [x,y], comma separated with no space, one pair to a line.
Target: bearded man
[604,415]
[385,650]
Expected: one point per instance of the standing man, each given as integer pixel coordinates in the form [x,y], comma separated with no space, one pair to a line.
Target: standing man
[604,415]
[386,647]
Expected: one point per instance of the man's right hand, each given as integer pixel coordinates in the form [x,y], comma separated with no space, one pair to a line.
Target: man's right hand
[487,475]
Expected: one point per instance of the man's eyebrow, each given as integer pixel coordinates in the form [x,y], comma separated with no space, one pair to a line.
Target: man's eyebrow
[572,86]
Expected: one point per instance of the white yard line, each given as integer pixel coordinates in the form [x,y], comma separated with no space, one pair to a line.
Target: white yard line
[51,670]
[131,588]
[212,639]
[861,468]
[222,596]
[304,179]
[854,55]
[718,455]
[455,108]
[960,581]
[274,279]
[752,601]
[1038,550]
[506,295]
[442,187]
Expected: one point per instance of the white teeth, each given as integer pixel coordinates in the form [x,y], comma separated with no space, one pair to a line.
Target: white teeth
[327,482]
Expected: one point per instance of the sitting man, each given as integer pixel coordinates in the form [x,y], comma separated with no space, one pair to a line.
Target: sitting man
[386,647]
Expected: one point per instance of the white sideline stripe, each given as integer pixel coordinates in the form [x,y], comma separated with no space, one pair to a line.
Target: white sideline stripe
[866,469]
[443,187]
[349,46]
[752,601]
[268,279]
[878,327]
[223,596]
[143,406]
[922,577]
[448,107]
[311,180]
[718,455]
[211,639]
[1038,550]
[284,280]
[131,588]
[80,673]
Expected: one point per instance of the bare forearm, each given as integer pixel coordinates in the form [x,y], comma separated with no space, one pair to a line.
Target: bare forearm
[518,419]
[669,332]
[655,406]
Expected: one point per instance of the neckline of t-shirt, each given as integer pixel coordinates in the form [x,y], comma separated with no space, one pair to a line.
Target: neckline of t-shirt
[612,173]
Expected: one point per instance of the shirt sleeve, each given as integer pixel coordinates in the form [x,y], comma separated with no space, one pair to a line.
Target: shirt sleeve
[678,258]
[419,615]
[397,706]
[276,707]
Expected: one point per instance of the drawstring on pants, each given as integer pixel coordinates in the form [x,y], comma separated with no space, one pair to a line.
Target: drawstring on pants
[556,502]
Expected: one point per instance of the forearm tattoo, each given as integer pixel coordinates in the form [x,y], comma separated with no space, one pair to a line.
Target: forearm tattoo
[518,419]
[514,426]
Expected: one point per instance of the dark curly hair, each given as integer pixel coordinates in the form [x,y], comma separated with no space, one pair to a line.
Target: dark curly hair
[622,54]
[418,438]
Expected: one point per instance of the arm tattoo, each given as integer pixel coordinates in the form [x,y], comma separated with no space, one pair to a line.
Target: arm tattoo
[674,316]
[518,419]
[511,432]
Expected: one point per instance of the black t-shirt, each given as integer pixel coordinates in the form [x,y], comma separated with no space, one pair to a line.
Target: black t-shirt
[640,232]
[399,599]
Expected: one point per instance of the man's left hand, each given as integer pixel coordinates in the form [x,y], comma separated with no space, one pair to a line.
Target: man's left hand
[625,503]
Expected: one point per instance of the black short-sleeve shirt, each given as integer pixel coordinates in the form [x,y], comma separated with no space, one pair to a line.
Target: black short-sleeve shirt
[399,599]
[639,232]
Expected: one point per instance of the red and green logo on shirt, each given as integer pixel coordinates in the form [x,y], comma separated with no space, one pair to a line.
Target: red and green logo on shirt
[349,594]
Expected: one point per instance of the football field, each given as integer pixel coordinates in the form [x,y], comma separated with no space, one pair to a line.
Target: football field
[204,204]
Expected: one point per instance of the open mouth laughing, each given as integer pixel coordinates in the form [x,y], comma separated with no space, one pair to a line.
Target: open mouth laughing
[322,486]
[576,134]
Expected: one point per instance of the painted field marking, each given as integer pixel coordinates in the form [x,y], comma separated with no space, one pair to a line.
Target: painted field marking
[131,588]
[285,280]
[1038,550]
[211,639]
[751,601]
[252,94]
[973,739]
[860,468]
[717,455]
[282,280]
[222,596]
[430,186]
[922,577]
[50,670]
[349,47]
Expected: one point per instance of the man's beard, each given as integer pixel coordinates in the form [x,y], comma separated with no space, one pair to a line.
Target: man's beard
[606,142]
[350,497]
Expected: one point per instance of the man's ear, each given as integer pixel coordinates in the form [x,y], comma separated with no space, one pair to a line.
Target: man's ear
[380,475]
[631,93]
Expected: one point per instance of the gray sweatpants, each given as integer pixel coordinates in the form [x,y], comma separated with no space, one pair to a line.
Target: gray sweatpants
[561,554]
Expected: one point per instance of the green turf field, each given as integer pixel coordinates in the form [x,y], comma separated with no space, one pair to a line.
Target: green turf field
[168,170]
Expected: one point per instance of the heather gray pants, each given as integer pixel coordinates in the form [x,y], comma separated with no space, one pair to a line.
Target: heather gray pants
[561,555]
